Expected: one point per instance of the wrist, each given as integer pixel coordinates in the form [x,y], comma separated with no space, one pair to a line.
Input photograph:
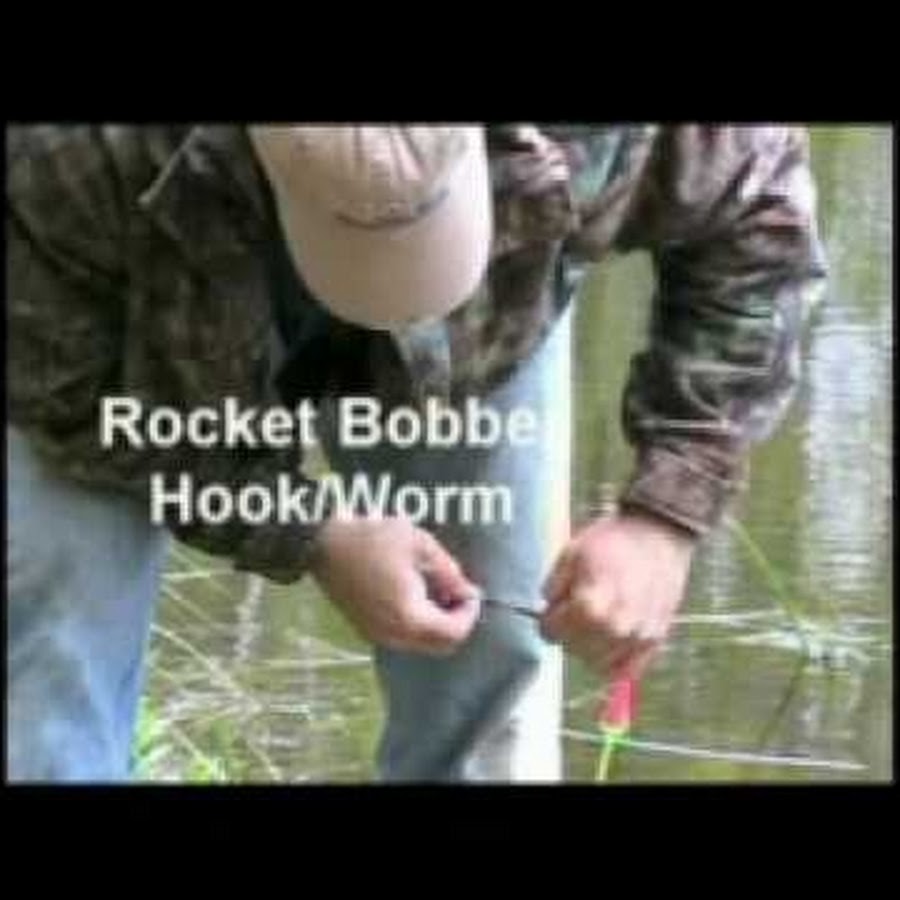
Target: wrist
[673,530]
[320,549]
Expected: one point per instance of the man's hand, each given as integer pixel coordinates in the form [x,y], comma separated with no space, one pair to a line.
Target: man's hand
[396,584]
[615,589]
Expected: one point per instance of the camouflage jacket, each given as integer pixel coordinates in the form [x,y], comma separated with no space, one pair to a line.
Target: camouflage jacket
[147,261]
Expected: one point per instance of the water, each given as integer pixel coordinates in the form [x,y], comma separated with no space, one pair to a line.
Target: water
[270,680]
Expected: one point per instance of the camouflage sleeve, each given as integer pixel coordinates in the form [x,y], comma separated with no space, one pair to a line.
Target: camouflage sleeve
[728,214]
[66,316]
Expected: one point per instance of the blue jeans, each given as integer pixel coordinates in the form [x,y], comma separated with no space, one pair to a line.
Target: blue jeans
[84,569]
[83,575]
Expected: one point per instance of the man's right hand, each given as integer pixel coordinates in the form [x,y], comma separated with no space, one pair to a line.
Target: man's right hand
[396,584]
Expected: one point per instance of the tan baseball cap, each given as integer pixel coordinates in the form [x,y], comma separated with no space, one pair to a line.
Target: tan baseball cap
[388,225]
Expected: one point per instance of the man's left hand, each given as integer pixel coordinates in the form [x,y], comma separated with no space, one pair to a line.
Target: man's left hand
[615,589]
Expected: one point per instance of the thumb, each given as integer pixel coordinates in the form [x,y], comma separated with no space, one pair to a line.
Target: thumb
[559,582]
[447,584]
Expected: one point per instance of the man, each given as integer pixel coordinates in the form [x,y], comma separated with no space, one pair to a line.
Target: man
[279,266]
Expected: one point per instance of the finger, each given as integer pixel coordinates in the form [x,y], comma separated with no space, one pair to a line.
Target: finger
[447,584]
[560,623]
[458,622]
[631,628]
[607,643]
[439,631]
[559,581]
[594,653]
[435,628]
[582,614]
[633,661]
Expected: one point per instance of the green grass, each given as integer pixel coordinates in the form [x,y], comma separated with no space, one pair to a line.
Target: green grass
[821,641]
[163,751]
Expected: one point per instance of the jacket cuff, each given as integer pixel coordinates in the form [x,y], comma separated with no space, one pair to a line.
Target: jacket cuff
[679,490]
[283,554]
